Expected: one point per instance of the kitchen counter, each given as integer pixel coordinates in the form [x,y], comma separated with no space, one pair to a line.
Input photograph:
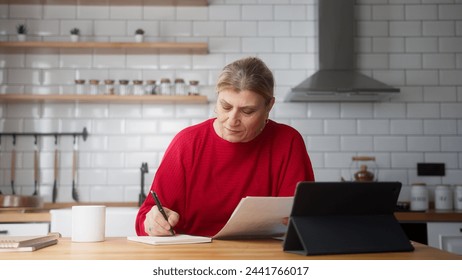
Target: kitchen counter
[43,215]
[429,216]
[119,248]
[24,217]
[59,205]
[39,215]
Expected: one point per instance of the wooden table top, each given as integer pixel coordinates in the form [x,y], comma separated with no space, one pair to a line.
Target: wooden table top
[119,248]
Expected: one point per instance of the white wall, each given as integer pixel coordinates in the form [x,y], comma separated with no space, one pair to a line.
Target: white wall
[414,44]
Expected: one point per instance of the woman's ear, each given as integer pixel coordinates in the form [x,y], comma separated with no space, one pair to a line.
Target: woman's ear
[270,104]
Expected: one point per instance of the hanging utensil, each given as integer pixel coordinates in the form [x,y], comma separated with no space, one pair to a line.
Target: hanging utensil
[36,167]
[0,154]
[13,166]
[55,171]
[75,194]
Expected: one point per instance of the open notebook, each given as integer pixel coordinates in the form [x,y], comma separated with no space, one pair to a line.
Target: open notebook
[165,240]
[243,223]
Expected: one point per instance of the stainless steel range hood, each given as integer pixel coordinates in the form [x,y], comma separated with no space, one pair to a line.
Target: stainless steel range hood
[337,79]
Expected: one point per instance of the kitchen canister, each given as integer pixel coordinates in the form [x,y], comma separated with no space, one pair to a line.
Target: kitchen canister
[124,88]
[443,198]
[138,88]
[165,86]
[94,87]
[458,198]
[193,87]
[80,87]
[180,87]
[150,87]
[109,87]
[419,197]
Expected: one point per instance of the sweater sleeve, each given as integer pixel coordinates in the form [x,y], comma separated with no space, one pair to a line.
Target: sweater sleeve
[169,183]
[297,166]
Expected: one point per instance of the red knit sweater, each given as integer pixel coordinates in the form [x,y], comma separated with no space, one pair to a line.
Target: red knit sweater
[203,177]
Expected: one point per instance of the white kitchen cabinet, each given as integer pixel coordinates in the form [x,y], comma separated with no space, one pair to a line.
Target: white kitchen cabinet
[24,229]
[445,236]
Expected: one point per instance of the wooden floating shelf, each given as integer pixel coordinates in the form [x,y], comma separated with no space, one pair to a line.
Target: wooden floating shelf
[164,47]
[15,98]
[115,2]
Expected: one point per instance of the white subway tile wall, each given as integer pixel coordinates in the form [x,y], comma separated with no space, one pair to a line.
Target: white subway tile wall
[415,45]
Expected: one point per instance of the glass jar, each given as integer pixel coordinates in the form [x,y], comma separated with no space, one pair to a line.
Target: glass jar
[165,86]
[419,197]
[124,88]
[180,87]
[364,175]
[109,87]
[94,87]
[80,87]
[363,169]
[138,87]
[150,87]
[443,198]
[193,88]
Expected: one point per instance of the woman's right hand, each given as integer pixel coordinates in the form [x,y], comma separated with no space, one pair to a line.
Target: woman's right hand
[156,225]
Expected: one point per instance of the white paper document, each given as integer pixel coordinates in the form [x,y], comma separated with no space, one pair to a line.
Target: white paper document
[254,217]
[257,217]
[176,239]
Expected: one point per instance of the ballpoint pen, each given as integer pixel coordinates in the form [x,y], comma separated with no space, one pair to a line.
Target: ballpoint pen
[161,209]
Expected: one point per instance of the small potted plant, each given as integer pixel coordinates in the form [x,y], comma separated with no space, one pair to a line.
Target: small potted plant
[21,30]
[75,33]
[139,34]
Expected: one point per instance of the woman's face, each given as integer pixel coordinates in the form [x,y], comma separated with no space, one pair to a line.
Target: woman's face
[241,116]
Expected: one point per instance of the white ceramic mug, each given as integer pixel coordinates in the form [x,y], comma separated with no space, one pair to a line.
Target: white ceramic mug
[88,223]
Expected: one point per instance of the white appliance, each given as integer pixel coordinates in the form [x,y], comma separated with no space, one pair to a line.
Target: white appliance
[120,221]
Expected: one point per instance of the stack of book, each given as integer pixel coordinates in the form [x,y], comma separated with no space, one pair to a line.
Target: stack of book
[27,243]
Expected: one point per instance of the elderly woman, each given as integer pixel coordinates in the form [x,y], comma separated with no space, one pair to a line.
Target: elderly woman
[210,166]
